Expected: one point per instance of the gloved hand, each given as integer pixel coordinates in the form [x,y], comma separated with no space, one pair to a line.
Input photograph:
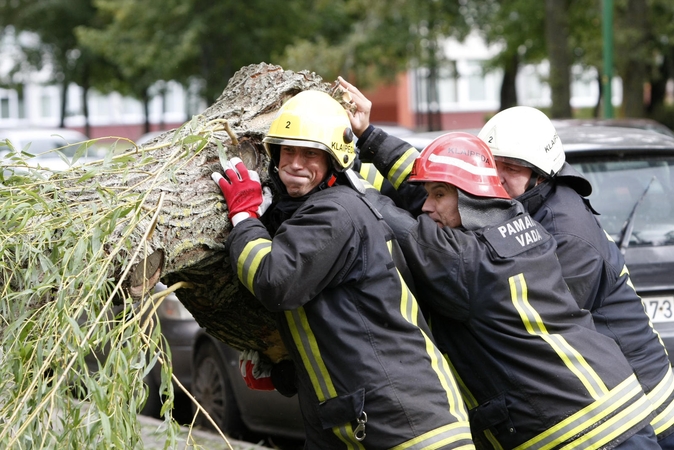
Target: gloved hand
[284,378]
[242,190]
[255,371]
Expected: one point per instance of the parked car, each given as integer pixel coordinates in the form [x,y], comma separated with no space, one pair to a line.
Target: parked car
[632,176]
[625,164]
[641,123]
[147,137]
[209,369]
[44,143]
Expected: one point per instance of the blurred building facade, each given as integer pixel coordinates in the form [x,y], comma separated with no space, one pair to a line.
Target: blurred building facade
[464,97]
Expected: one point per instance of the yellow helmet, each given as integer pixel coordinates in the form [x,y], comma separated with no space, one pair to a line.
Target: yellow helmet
[313,119]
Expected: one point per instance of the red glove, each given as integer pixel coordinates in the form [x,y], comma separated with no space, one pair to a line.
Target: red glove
[255,372]
[242,191]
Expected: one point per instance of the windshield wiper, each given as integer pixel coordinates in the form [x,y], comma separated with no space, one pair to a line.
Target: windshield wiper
[628,227]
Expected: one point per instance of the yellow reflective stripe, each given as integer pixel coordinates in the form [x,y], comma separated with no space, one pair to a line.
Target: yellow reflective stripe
[662,390]
[456,406]
[372,175]
[657,396]
[439,438]
[625,271]
[409,309]
[664,420]
[249,261]
[533,323]
[492,440]
[345,434]
[306,344]
[613,427]
[602,411]
[467,396]
[608,236]
[402,167]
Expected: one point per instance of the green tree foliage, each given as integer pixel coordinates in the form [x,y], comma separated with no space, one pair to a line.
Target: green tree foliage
[642,43]
[137,37]
[644,49]
[54,22]
[517,26]
[56,305]
[195,40]
[374,40]
[74,346]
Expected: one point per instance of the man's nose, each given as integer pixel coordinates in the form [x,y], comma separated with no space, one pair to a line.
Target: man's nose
[297,160]
[427,207]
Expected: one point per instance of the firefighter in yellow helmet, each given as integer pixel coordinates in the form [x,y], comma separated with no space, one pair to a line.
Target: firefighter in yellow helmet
[367,372]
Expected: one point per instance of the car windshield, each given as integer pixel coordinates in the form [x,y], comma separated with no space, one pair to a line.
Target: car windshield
[617,186]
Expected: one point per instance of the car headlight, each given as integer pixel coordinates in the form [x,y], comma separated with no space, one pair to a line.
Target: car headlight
[171,308]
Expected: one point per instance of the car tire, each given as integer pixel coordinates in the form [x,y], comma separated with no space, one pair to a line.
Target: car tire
[212,389]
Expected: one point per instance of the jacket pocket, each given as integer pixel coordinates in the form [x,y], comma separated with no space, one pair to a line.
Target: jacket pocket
[492,415]
[342,409]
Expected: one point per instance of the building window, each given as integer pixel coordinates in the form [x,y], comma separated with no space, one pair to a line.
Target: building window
[4,108]
[476,85]
[45,105]
[448,84]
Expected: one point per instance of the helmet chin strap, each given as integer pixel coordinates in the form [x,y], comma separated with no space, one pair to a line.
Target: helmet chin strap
[533,179]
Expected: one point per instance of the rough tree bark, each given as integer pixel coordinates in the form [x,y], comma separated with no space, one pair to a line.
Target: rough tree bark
[188,238]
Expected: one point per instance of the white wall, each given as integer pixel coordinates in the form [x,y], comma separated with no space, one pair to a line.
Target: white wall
[469,88]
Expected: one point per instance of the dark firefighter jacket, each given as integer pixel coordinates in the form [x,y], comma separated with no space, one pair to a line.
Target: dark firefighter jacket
[352,326]
[592,266]
[595,271]
[533,371]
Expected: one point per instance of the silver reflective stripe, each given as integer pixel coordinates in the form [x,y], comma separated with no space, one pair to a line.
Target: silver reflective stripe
[345,434]
[620,410]
[306,344]
[446,435]
[657,396]
[372,175]
[409,308]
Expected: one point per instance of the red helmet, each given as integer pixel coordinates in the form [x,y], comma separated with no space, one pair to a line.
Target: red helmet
[462,160]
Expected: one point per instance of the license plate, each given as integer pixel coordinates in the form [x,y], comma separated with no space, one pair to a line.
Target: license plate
[660,309]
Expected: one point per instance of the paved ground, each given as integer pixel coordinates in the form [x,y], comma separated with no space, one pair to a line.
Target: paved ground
[153,438]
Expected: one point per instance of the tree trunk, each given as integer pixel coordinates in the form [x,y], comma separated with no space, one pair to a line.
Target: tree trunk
[85,105]
[64,103]
[508,85]
[662,74]
[187,243]
[557,38]
[634,69]
[597,106]
[146,110]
